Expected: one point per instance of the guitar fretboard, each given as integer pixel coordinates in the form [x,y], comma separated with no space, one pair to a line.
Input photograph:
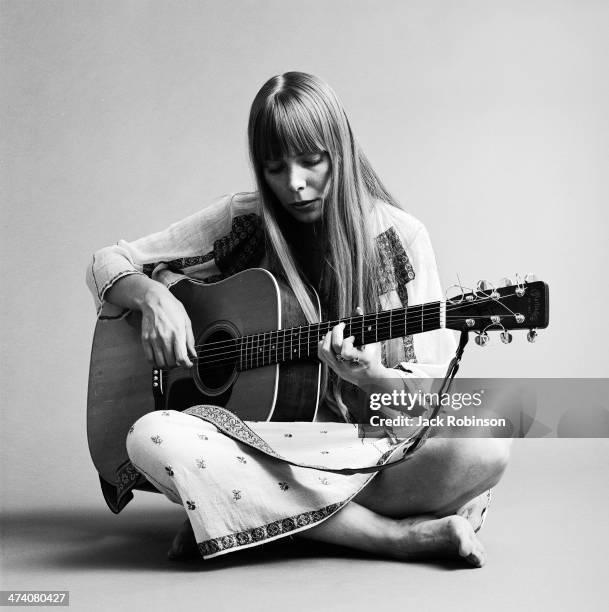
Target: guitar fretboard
[282,345]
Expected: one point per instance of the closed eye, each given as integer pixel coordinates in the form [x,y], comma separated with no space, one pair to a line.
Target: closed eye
[308,160]
[312,159]
[273,167]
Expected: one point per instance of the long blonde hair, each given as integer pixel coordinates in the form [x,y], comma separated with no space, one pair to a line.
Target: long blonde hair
[296,113]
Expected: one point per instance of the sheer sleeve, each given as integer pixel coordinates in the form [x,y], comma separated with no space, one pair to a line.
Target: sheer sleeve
[411,277]
[213,243]
[433,349]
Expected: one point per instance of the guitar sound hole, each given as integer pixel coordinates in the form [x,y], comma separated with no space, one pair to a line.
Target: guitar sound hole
[217,359]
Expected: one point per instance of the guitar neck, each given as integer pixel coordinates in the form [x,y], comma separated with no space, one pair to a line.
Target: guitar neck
[282,345]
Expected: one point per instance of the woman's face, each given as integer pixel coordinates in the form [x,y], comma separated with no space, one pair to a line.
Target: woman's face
[299,182]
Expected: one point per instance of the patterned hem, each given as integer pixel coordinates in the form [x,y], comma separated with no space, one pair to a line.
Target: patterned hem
[266,533]
[231,425]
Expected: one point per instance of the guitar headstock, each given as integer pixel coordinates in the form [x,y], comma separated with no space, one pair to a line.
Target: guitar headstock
[524,305]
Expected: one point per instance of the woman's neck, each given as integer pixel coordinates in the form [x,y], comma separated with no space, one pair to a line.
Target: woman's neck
[308,246]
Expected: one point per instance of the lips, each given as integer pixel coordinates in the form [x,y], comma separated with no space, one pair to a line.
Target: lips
[303,203]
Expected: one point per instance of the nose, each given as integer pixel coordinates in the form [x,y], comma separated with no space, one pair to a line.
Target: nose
[296,178]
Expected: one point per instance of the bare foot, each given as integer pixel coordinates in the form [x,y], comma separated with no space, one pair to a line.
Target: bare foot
[452,535]
[184,545]
[475,510]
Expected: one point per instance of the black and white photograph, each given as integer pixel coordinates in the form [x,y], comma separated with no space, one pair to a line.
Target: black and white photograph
[304,305]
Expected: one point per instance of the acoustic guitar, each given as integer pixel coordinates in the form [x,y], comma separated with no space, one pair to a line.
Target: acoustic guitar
[257,354]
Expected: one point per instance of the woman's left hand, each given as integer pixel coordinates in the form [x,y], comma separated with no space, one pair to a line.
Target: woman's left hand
[360,366]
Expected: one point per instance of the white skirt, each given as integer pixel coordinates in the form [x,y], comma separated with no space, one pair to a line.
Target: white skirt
[245,483]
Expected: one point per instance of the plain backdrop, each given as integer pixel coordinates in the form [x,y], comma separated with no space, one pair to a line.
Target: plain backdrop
[487,120]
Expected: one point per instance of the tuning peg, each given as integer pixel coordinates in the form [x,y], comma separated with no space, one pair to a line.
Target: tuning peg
[484,285]
[532,335]
[530,278]
[505,282]
[506,337]
[482,339]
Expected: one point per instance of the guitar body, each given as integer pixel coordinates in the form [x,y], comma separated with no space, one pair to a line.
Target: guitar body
[123,386]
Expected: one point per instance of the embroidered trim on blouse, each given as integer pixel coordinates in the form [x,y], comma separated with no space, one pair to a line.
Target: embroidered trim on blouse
[395,273]
[242,248]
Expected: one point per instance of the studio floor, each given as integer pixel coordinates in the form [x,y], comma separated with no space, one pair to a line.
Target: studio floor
[547,538]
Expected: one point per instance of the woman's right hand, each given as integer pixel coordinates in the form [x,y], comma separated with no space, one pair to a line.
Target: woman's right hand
[167,336]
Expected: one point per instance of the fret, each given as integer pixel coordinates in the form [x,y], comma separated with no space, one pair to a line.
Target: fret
[309,340]
[408,319]
[258,350]
[266,348]
[299,330]
[261,348]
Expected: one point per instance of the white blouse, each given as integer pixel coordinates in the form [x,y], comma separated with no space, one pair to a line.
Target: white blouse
[226,236]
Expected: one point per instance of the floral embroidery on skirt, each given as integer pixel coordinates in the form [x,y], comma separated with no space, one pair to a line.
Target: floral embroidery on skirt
[241,491]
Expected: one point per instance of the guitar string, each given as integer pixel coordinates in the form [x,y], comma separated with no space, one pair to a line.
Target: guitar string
[265,352]
[428,314]
[381,313]
[261,358]
[296,344]
[296,340]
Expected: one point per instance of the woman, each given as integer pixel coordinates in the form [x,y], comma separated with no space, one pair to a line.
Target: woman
[322,218]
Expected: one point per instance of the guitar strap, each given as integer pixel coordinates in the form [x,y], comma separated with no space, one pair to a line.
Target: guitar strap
[421,437]
[233,427]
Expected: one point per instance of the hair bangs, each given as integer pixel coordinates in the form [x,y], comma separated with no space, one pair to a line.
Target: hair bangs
[284,128]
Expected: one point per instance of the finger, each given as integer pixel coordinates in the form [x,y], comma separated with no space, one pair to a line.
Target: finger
[180,351]
[324,350]
[359,310]
[337,338]
[167,346]
[159,356]
[190,340]
[148,352]
[327,342]
[349,352]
